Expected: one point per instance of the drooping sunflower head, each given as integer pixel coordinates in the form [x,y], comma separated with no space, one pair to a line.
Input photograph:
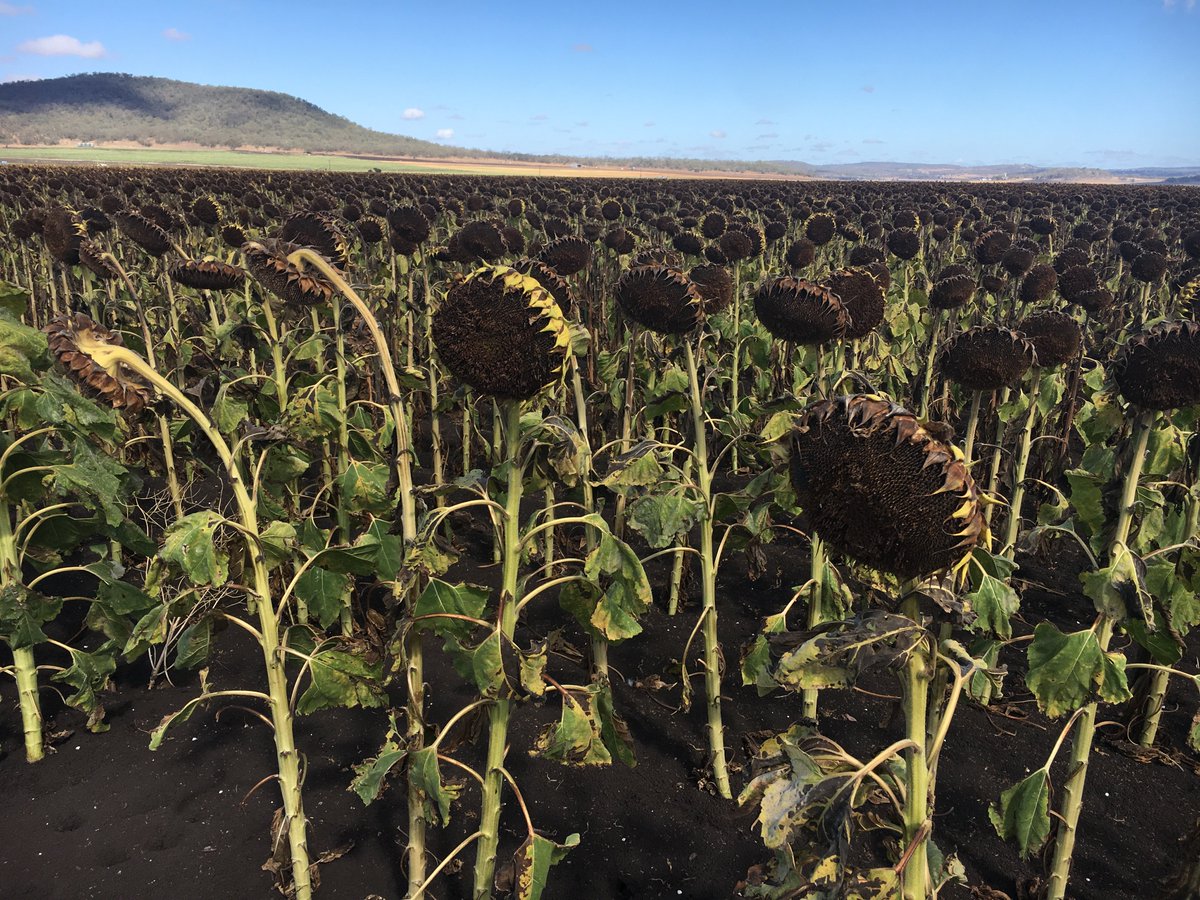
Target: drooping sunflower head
[79,345]
[661,299]
[62,231]
[502,333]
[207,210]
[879,488]
[1159,368]
[862,295]
[987,358]
[952,291]
[321,233]
[93,257]
[144,232]
[1055,336]
[567,255]
[715,285]
[800,311]
[268,262]
[207,275]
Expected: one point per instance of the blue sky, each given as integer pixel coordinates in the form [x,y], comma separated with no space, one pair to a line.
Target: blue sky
[1109,83]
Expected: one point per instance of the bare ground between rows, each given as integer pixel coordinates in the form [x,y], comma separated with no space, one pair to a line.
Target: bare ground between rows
[103,817]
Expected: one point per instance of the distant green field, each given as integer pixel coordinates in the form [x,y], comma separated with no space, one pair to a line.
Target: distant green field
[233,158]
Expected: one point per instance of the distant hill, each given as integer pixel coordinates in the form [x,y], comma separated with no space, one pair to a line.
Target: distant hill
[107,108]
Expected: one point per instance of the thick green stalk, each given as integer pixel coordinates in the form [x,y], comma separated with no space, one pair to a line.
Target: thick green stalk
[712,649]
[972,427]
[737,352]
[343,456]
[816,614]
[915,879]
[997,453]
[1016,495]
[626,431]
[1156,695]
[498,714]
[24,664]
[599,642]
[1081,747]
[935,330]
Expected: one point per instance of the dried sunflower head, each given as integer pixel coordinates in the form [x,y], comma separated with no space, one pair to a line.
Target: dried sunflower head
[1055,336]
[207,275]
[268,262]
[987,358]
[661,299]
[802,312]
[93,257]
[502,333]
[952,291]
[207,210]
[879,488]
[62,231]
[862,296]
[567,255]
[319,232]
[78,343]
[1159,368]
[715,285]
[144,232]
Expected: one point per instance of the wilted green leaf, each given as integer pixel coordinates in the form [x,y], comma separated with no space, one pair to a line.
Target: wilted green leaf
[1066,670]
[369,775]
[576,738]
[662,518]
[442,599]
[323,590]
[1024,813]
[89,674]
[615,569]
[21,350]
[426,774]
[194,645]
[190,544]
[23,613]
[533,861]
[342,678]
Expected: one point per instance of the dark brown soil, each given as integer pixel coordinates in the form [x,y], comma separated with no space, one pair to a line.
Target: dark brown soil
[103,817]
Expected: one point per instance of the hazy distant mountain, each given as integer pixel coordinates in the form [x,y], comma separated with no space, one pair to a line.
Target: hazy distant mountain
[111,107]
[107,108]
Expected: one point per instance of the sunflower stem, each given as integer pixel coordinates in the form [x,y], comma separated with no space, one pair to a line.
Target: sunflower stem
[1017,494]
[1081,746]
[498,713]
[712,649]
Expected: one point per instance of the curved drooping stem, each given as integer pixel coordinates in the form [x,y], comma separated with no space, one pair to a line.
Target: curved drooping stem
[414,659]
[286,754]
[1081,747]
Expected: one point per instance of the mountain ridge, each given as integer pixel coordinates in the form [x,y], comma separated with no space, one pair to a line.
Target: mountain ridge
[108,108]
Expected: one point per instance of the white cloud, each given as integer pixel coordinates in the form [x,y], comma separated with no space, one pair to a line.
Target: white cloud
[7,9]
[414,113]
[63,45]
[444,134]
[718,133]
[174,34]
